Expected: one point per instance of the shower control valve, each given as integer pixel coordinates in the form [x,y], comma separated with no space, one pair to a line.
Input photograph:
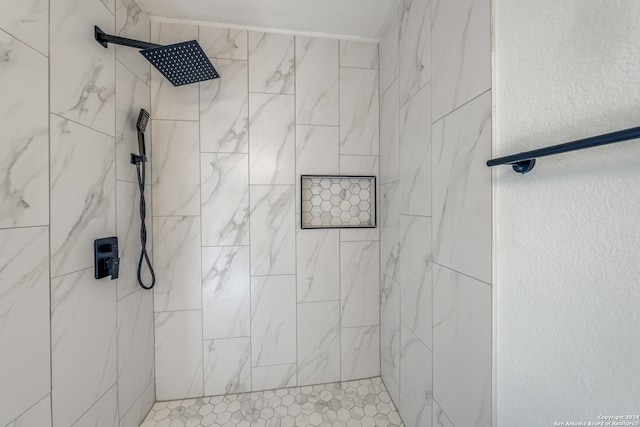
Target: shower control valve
[106,259]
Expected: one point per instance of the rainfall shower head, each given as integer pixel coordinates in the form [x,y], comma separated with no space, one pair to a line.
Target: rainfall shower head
[181,63]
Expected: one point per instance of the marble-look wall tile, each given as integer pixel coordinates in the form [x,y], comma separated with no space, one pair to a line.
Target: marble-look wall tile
[110,4]
[225,199]
[361,166]
[317,75]
[132,22]
[390,335]
[272,377]
[415,154]
[318,261]
[140,409]
[104,413]
[38,415]
[224,110]
[272,140]
[360,352]
[390,243]
[360,283]
[24,320]
[440,419]
[273,233]
[318,343]
[414,58]
[462,196]
[131,95]
[135,348]
[24,120]
[461,52]
[390,136]
[82,193]
[359,111]
[415,276]
[389,46]
[85,91]
[177,263]
[273,320]
[171,102]
[226,292]
[227,366]
[29,22]
[358,54]
[271,63]
[223,43]
[462,347]
[416,385]
[83,338]
[179,370]
[176,164]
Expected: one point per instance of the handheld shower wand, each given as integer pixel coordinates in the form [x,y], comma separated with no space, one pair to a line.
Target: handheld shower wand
[139,160]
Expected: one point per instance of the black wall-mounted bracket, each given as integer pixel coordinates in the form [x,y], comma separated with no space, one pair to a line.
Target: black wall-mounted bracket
[106,261]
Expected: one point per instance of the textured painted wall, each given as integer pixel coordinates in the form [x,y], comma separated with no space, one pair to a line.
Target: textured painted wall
[567,236]
[246,300]
[74,350]
[435,210]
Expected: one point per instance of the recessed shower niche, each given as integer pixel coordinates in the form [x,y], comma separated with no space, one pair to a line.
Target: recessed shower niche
[337,201]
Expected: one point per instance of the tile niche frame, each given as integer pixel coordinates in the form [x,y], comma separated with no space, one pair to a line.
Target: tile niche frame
[306,224]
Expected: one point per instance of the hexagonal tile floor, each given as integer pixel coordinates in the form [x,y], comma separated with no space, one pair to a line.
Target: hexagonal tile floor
[361,403]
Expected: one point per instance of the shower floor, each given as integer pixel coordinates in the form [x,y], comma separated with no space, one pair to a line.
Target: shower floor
[360,403]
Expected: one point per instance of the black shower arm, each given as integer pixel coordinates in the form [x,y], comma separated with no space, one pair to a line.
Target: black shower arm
[104,39]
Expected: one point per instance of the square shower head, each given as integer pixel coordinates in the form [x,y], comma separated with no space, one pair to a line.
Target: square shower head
[181,63]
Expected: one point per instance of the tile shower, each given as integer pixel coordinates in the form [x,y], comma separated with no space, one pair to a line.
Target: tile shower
[246,300]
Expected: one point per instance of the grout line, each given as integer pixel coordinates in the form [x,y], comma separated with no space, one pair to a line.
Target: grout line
[77,123]
[49,207]
[461,106]
[71,272]
[461,273]
[133,73]
[24,227]
[115,219]
[115,384]
[202,347]
[248,189]
[27,44]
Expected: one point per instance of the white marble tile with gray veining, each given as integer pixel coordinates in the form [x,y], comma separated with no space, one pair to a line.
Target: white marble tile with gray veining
[390,136]
[81,209]
[390,334]
[462,347]
[318,260]
[171,102]
[273,231]
[389,46]
[390,243]
[131,96]
[135,348]
[224,109]
[29,22]
[318,343]
[273,377]
[82,69]
[225,199]
[462,196]
[223,43]
[317,81]
[461,52]
[176,163]
[227,366]
[415,276]
[272,141]
[359,111]
[104,413]
[362,166]
[177,263]
[360,283]
[132,22]
[37,415]
[273,320]
[360,352]
[271,63]
[24,120]
[414,57]
[416,385]
[415,154]
[24,319]
[83,342]
[226,292]
[140,409]
[440,419]
[179,367]
[358,54]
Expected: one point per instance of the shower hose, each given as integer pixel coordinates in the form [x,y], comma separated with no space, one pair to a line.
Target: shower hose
[144,256]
